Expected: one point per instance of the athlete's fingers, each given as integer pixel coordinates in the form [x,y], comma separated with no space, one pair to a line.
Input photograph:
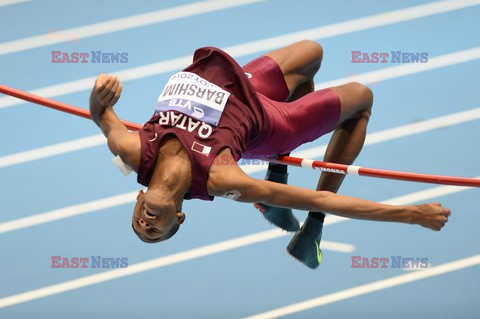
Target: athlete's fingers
[437,226]
[445,212]
[117,94]
[108,97]
[100,89]
[108,87]
[441,224]
[110,82]
[101,82]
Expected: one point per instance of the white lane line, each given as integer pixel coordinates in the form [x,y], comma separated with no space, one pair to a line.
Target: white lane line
[370,287]
[115,25]
[68,211]
[157,263]
[407,69]
[202,252]
[10,2]
[365,78]
[374,138]
[252,47]
[52,150]
[355,25]
[338,247]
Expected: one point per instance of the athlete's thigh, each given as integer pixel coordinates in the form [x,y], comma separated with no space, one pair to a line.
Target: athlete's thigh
[267,78]
[298,62]
[303,120]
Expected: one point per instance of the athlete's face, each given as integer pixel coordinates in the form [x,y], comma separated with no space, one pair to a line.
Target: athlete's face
[154,219]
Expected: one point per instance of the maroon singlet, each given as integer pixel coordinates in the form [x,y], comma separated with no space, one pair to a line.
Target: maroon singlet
[241,125]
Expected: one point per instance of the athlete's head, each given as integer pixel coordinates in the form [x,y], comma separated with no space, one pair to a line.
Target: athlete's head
[156,218]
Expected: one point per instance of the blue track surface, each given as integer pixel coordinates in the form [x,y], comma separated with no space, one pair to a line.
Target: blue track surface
[258,277]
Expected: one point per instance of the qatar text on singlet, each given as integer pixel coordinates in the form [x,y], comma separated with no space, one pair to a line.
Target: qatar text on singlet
[193,96]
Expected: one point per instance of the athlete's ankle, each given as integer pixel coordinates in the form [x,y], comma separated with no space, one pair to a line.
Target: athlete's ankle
[317,215]
[278,168]
[277,177]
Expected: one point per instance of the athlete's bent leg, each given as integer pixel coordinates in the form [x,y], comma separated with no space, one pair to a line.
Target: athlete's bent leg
[299,63]
[348,138]
[345,145]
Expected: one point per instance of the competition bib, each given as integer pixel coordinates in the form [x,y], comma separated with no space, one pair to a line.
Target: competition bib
[194,96]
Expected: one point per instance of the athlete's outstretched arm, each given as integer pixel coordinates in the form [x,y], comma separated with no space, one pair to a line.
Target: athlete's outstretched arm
[104,95]
[252,190]
[431,215]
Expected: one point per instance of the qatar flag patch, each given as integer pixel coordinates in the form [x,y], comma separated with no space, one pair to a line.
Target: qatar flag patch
[202,149]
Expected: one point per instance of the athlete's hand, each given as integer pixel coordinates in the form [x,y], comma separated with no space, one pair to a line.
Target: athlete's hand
[432,216]
[105,93]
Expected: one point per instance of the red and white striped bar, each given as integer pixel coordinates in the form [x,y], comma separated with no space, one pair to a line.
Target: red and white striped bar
[59,106]
[287,160]
[379,173]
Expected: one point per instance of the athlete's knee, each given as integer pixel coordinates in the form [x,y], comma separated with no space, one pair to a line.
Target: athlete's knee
[364,96]
[313,48]
[312,52]
[316,52]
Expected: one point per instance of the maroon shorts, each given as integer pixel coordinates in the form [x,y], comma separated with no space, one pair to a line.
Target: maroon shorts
[294,123]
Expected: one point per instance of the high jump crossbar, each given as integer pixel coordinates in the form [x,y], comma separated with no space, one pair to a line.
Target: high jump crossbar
[287,160]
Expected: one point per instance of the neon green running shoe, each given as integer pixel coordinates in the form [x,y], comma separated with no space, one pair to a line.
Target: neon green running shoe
[305,244]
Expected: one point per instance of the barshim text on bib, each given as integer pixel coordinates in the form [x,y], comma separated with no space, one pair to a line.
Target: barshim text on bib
[193,96]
